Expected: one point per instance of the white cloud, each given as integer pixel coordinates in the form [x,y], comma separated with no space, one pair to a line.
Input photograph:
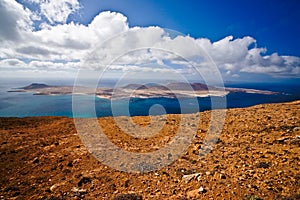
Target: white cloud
[12,64]
[14,19]
[57,11]
[66,46]
[134,68]
[275,65]
[234,56]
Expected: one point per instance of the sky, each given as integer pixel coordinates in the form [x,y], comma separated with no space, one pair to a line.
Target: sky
[252,41]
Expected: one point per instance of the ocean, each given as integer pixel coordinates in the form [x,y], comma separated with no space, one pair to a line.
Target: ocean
[24,104]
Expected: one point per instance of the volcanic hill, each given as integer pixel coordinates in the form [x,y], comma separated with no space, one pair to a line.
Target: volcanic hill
[257,156]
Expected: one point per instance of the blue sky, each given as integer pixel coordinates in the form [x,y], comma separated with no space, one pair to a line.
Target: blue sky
[274,23]
[251,41]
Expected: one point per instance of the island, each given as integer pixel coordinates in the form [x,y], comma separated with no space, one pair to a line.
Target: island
[170,90]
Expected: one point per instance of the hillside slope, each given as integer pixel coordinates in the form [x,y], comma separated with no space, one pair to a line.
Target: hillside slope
[256,157]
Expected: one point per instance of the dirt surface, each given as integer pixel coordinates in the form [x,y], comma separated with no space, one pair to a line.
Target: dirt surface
[257,156]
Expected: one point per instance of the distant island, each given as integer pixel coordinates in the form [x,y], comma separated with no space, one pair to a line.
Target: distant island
[170,90]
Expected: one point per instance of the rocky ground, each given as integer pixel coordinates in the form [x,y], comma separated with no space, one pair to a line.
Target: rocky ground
[257,156]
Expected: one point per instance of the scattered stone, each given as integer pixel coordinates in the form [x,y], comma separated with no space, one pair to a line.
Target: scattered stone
[295,140]
[113,187]
[75,189]
[13,151]
[84,180]
[189,177]
[78,192]
[296,129]
[78,175]
[222,176]
[128,197]
[202,190]
[70,163]
[126,184]
[36,160]
[193,161]
[252,197]
[53,187]
[263,165]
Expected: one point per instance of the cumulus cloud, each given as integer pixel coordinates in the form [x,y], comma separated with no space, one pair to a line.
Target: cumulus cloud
[56,11]
[235,55]
[67,46]
[14,19]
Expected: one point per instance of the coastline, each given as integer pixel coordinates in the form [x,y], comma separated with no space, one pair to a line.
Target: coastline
[26,104]
[120,116]
[176,90]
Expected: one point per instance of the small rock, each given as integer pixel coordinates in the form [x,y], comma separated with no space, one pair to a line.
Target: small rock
[36,160]
[13,151]
[128,197]
[254,186]
[252,197]
[53,187]
[189,177]
[84,180]
[263,165]
[296,129]
[113,187]
[126,184]
[281,140]
[79,193]
[295,140]
[195,193]
[201,189]
[75,189]
[70,164]
[222,176]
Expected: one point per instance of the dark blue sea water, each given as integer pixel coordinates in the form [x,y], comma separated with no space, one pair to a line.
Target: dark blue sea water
[27,104]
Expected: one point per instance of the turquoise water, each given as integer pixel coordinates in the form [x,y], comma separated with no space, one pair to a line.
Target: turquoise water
[27,104]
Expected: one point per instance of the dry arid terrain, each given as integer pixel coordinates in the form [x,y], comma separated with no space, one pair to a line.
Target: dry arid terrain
[257,156]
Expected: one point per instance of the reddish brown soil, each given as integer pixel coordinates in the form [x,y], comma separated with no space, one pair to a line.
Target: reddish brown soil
[256,157]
